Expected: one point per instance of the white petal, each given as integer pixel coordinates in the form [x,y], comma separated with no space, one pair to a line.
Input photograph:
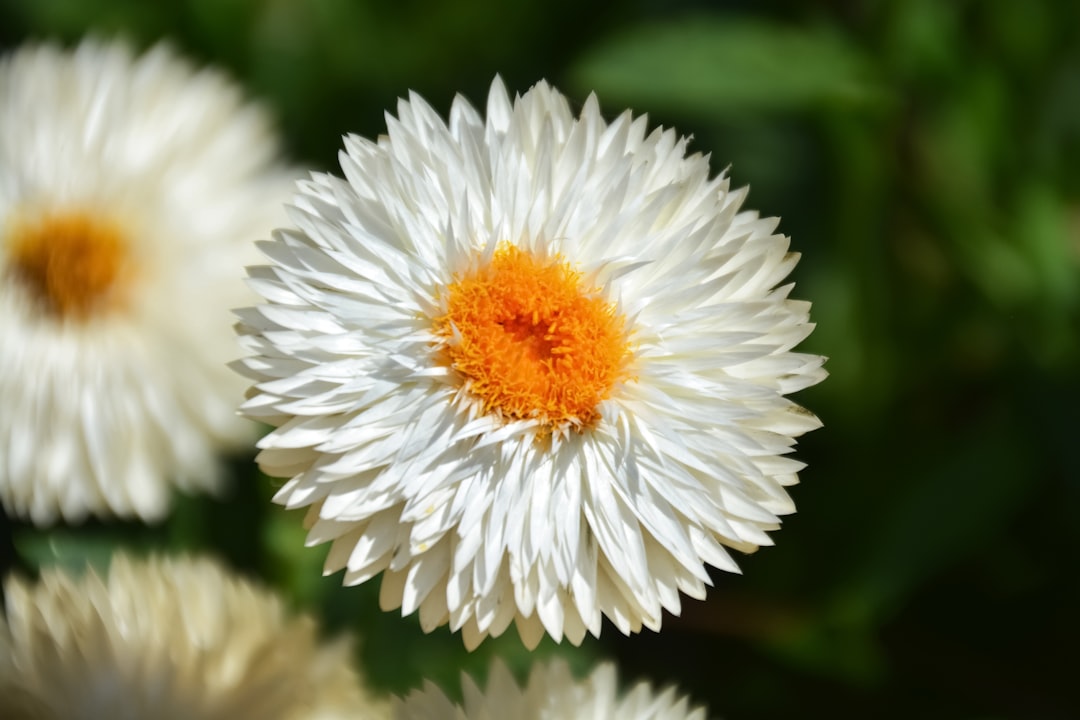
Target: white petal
[480,521]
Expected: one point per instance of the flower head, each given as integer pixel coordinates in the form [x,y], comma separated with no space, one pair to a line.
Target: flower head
[167,638]
[531,367]
[131,190]
[551,692]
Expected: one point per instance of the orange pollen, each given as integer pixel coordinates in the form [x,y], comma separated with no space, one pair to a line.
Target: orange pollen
[71,262]
[532,341]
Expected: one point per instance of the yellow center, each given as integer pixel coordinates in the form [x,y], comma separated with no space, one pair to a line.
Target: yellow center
[71,262]
[533,340]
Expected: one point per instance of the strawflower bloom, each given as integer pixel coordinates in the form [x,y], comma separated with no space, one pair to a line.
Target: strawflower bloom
[172,639]
[531,368]
[551,693]
[131,191]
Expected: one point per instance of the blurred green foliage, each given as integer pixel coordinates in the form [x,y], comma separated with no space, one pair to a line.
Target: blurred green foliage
[925,158]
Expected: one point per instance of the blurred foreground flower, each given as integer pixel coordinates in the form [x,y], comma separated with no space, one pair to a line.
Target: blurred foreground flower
[167,638]
[131,190]
[532,367]
[551,693]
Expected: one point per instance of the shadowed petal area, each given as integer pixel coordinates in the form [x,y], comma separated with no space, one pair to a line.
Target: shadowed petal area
[168,638]
[551,692]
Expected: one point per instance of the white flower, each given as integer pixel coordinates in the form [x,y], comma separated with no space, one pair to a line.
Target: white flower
[168,638]
[131,191]
[531,368]
[551,694]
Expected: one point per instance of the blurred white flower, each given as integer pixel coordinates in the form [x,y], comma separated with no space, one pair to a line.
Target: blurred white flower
[131,191]
[171,639]
[551,694]
[531,368]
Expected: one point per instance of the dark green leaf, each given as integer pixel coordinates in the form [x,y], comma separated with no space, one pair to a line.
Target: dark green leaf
[721,66]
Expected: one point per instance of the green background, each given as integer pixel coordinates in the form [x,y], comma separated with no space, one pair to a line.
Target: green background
[925,158]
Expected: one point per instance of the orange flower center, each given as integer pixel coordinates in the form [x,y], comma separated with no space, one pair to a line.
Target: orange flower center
[71,262]
[533,341]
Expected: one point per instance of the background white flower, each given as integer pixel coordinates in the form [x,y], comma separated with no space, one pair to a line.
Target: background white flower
[131,190]
[168,638]
[532,368]
[551,693]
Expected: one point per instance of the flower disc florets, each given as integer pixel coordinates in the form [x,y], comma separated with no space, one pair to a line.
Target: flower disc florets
[532,341]
[530,367]
[73,263]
